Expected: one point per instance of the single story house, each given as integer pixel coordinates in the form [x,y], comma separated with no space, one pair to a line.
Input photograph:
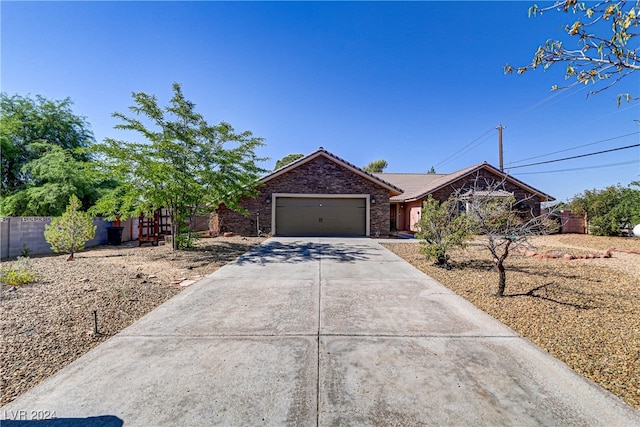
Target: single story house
[405,208]
[322,194]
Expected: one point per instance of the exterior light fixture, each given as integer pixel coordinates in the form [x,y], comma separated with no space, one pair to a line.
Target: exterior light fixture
[268,199]
[373,199]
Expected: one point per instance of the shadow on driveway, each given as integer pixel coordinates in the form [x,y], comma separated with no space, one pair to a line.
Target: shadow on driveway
[100,421]
[299,251]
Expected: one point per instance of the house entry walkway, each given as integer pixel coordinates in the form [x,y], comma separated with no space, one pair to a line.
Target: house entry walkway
[322,331]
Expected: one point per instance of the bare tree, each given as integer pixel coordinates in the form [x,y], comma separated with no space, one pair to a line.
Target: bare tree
[502,221]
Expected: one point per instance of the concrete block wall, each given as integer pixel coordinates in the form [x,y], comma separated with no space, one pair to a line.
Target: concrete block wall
[130,229]
[16,233]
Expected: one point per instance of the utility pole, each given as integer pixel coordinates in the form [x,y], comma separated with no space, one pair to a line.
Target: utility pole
[500,127]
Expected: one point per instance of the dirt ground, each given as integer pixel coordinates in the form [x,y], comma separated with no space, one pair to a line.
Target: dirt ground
[585,312]
[49,323]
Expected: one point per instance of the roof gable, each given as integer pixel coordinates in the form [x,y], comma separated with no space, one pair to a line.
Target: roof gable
[321,152]
[440,181]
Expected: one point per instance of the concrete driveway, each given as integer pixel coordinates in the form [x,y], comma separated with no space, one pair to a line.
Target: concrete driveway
[323,332]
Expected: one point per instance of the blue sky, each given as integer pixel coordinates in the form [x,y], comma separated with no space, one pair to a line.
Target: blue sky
[419,84]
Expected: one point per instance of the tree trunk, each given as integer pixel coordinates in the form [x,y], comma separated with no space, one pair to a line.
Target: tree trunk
[174,230]
[502,273]
[502,281]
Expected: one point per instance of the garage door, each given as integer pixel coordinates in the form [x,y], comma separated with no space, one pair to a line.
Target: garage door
[307,216]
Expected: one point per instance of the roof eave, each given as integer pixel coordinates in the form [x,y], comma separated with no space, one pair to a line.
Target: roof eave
[545,197]
[395,191]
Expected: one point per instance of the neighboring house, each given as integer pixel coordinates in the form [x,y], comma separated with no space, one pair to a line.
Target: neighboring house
[405,208]
[322,194]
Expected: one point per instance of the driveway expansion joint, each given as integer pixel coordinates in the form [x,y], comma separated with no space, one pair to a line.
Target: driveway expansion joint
[234,352]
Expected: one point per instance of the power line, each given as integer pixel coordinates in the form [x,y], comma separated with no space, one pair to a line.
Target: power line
[540,105]
[463,149]
[576,157]
[575,148]
[579,169]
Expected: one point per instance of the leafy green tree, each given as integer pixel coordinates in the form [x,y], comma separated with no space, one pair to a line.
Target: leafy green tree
[24,121]
[69,232]
[606,42]
[43,157]
[51,178]
[287,159]
[442,228]
[185,165]
[609,210]
[432,170]
[377,166]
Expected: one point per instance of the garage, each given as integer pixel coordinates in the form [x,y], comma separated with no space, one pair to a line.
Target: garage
[319,194]
[327,215]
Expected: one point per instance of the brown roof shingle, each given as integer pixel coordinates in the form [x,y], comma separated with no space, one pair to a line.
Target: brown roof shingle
[419,185]
[413,184]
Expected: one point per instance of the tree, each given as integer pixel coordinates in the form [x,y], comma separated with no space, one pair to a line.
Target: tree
[377,166]
[51,178]
[186,165]
[606,49]
[502,222]
[69,232]
[441,228]
[43,157]
[24,121]
[609,210]
[287,159]
[432,170]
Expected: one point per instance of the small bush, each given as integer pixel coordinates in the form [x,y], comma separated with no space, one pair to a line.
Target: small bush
[187,238]
[442,228]
[68,233]
[25,252]
[20,273]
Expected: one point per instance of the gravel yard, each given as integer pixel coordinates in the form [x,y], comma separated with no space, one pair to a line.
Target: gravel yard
[585,312]
[49,323]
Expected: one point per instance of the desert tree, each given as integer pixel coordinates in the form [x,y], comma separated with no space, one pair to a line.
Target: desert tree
[606,44]
[441,228]
[182,164]
[377,166]
[44,158]
[289,158]
[69,233]
[502,221]
[50,179]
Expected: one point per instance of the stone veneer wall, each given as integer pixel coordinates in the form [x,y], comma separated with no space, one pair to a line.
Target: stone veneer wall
[483,176]
[317,176]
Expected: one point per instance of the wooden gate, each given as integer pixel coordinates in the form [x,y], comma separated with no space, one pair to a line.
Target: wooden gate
[153,229]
